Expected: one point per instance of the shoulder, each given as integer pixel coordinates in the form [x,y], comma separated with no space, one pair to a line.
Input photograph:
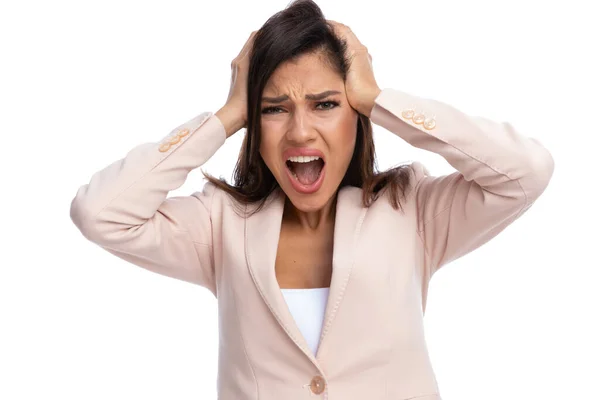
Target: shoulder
[419,171]
[218,200]
[208,195]
[401,185]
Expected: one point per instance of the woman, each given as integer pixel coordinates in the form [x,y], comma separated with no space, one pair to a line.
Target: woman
[308,221]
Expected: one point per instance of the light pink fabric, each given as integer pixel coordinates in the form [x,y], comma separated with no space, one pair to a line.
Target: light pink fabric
[372,344]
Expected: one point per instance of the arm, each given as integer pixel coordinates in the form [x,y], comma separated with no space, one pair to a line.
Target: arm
[500,173]
[125,210]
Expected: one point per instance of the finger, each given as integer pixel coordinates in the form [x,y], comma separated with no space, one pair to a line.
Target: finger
[337,27]
[338,30]
[248,45]
[343,31]
[251,37]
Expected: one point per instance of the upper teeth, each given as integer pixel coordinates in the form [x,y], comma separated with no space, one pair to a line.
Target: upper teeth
[303,159]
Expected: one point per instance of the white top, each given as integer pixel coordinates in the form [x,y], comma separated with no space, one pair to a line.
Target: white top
[308,308]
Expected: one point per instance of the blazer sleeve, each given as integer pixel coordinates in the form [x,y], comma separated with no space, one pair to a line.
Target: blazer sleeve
[500,173]
[125,210]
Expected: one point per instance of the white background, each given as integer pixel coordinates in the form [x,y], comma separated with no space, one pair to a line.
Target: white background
[83,82]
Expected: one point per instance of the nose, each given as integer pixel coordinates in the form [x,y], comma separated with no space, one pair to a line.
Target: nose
[300,130]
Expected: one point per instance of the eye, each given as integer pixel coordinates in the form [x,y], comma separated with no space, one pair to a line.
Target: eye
[323,105]
[328,105]
[270,110]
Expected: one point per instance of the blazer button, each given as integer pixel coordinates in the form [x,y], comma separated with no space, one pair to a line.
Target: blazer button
[175,139]
[317,385]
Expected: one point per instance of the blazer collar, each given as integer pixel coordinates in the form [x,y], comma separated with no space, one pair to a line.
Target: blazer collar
[262,231]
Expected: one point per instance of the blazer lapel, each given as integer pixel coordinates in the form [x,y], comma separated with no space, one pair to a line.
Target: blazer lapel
[262,232]
[349,216]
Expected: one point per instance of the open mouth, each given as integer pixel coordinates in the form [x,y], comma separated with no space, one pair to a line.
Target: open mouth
[305,169]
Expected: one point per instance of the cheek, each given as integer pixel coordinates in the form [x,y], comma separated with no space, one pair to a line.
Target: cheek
[346,136]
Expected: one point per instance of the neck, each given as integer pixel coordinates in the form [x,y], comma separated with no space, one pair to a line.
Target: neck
[311,220]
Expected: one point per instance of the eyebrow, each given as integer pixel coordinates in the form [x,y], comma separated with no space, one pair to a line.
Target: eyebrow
[317,96]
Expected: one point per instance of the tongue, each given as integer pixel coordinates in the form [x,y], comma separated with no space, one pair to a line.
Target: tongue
[308,172]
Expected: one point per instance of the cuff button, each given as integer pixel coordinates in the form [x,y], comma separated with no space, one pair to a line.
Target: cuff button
[408,113]
[429,123]
[164,147]
[183,133]
[419,119]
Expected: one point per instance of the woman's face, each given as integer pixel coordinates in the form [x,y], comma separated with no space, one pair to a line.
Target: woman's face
[307,138]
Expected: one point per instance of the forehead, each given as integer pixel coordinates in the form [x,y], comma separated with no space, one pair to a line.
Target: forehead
[307,74]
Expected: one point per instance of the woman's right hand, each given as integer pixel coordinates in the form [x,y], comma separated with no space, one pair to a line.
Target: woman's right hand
[233,114]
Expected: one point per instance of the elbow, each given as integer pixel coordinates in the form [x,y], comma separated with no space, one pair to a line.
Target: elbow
[99,227]
[539,173]
[84,218]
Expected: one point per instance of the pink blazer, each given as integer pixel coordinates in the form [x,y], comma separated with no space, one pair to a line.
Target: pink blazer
[372,343]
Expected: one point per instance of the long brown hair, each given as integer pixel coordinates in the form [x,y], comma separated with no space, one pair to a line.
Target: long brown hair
[299,29]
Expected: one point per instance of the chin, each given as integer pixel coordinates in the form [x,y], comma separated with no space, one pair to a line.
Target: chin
[307,203]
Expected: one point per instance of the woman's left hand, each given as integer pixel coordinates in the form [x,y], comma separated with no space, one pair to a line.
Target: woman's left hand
[361,87]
